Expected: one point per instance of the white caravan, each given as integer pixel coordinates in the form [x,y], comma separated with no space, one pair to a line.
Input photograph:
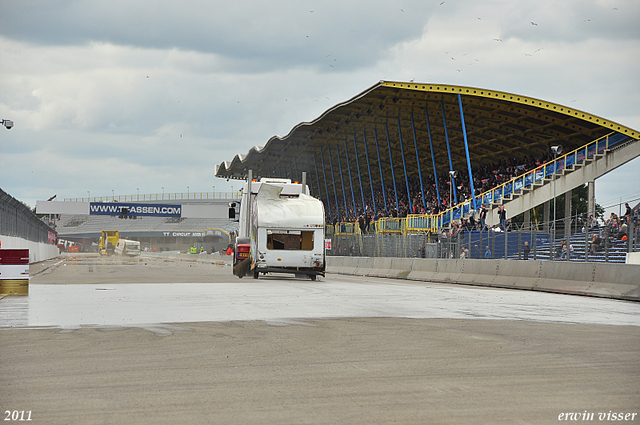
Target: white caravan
[284,227]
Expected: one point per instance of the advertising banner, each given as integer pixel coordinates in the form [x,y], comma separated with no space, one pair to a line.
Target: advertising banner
[132,209]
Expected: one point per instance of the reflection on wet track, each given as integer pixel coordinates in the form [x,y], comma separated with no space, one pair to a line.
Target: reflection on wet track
[280,300]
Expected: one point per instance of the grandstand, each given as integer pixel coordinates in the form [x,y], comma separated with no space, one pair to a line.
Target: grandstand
[423,155]
[161,233]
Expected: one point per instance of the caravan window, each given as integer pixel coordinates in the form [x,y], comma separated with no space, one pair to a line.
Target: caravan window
[290,240]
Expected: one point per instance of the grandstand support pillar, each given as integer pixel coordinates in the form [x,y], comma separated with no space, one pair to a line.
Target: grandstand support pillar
[466,149]
[315,164]
[344,191]
[527,220]
[415,142]
[433,157]
[384,195]
[310,178]
[591,197]
[545,216]
[353,197]
[446,137]
[404,165]
[355,148]
[366,153]
[567,216]
[303,180]
[393,174]
[333,179]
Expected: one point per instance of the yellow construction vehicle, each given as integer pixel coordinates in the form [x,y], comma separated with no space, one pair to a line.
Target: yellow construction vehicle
[108,242]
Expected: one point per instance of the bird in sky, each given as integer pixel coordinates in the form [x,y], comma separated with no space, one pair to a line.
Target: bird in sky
[441,3]
[497,39]
[533,23]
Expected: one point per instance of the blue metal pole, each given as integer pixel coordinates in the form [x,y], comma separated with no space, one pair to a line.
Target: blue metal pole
[393,174]
[366,151]
[384,195]
[353,198]
[446,136]
[324,175]
[344,191]
[415,142]
[291,171]
[433,158]
[295,164]
[404,164]
[466,149]
[333,179]
[355,147]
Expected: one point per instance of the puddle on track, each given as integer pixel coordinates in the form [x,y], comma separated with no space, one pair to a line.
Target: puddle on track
[282,302]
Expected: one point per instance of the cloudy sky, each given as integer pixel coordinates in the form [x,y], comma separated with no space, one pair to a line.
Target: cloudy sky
[116,97]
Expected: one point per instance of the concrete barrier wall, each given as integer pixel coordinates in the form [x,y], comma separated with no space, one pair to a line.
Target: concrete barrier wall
[619,281]
[38,251]
[196,258]
[633,258]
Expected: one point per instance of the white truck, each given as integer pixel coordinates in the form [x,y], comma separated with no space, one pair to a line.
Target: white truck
[283,227]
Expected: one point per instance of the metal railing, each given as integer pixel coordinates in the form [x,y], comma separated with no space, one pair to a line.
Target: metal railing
[17,220]
[570,239]
[535,177]
[159,197]
[429,223]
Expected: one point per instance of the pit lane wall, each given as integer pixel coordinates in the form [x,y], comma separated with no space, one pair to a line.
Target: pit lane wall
[618,281]
[38,251]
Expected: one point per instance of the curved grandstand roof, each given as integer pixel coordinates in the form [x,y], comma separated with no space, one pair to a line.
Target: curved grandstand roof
[498,125]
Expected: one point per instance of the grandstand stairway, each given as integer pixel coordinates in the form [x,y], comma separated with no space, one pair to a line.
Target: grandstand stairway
[619,151]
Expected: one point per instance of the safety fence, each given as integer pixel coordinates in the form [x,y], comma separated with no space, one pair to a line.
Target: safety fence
[571,239]
[17,220]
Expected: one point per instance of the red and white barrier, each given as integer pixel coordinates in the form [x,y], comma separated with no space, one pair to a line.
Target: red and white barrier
[14,271]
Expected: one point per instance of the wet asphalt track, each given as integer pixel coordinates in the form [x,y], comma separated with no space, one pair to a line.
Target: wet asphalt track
[156,341]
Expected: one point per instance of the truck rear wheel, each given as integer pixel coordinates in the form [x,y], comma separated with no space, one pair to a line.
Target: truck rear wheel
[312,276]
[256,274]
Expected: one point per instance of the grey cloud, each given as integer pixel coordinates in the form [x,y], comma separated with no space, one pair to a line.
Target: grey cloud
[563,21]
[256,34]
